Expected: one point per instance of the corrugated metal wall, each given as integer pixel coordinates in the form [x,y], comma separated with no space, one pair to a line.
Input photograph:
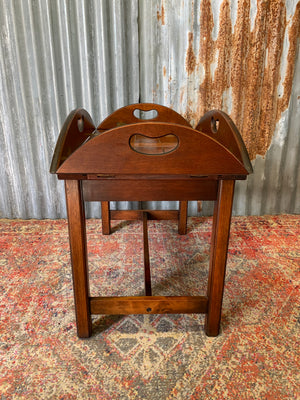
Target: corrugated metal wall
[240,56]
[56,56]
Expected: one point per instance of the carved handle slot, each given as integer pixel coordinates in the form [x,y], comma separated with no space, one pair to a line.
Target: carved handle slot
[214,124]
[153,146]
[145,114]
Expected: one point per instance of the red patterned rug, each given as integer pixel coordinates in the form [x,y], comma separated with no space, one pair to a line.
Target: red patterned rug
[156,357]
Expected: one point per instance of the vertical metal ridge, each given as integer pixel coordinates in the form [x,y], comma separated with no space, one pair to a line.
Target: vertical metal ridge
[16,114]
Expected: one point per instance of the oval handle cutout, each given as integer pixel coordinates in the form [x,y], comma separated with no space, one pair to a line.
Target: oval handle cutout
[80,124]
[214,124]
[141,114]
[156,146]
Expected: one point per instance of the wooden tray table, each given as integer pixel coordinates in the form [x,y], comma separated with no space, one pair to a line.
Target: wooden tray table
[132,159]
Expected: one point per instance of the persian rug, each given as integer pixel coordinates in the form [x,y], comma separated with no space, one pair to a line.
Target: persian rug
[256,355]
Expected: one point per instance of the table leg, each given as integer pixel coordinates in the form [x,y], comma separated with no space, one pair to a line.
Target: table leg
[105,215]
[183,210]
[218,255]
[77,236]
[148,290]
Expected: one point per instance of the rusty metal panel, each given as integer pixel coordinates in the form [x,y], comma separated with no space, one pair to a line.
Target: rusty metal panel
[240,57]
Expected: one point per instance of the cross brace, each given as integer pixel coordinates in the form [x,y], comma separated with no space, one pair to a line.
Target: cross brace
[211,304]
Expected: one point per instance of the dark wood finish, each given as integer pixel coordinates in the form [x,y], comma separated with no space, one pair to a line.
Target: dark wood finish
[151,214]
[77,128]
[183,212]
[218,256]
[77,235]
[105,215]
[149,305]
[132,215]
[125,116]
[107,164]
[220,127]
[206,155]
[148,290]
[136,189]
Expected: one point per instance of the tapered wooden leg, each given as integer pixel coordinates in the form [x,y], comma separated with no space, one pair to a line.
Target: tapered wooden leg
[148,290]
[77,236]
[182,223]
[105,213]
[218,255]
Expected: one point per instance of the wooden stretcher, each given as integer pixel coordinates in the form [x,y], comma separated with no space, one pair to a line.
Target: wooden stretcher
[128,158]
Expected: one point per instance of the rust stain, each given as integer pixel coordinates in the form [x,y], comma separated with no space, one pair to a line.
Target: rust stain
[164,71]
[247,85]
[271,79]
[249,63]
[239,71]
[223,46]
[190,61]
[294,34]
[161,15]
[206,56]
[190,114]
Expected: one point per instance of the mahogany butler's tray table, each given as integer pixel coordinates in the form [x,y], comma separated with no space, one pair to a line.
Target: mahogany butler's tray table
[131,159]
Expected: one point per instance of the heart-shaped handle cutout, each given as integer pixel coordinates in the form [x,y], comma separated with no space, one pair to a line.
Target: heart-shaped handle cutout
[155,146]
